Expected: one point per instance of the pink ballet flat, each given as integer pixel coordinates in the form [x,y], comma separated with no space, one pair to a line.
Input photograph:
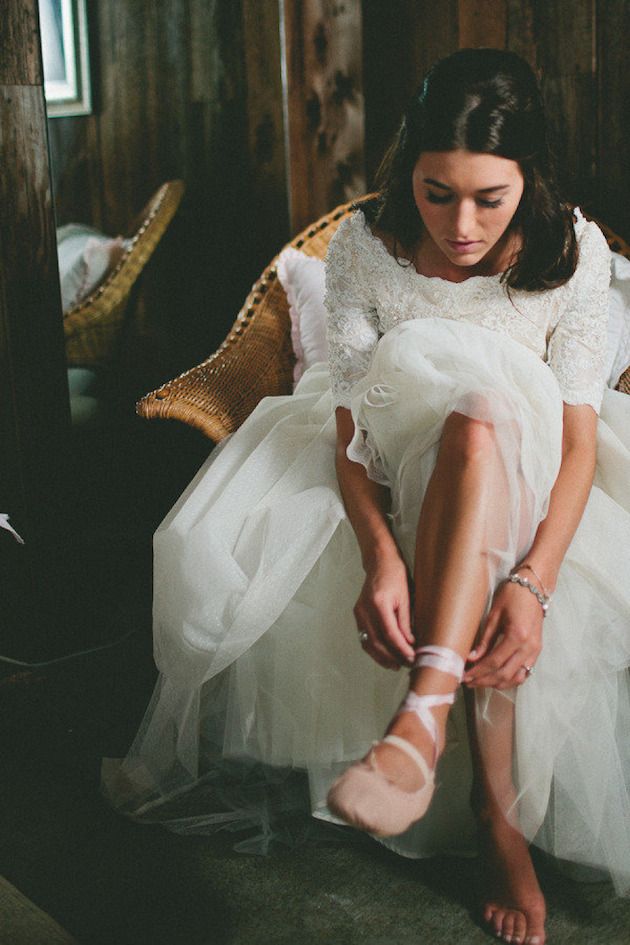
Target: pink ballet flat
[363,797]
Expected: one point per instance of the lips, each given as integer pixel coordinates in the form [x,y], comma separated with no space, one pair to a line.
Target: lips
[464,246]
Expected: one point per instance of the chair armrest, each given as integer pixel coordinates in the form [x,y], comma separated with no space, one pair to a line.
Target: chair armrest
[255,361]
[91,327]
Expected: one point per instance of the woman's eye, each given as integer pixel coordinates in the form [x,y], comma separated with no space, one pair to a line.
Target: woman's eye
[446,198]
[436,198]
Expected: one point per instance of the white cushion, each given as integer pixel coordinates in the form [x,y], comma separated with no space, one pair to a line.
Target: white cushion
[303,280]
[86,257]
[618,354]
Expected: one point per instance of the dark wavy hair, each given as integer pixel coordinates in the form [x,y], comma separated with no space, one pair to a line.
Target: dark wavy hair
[486,101]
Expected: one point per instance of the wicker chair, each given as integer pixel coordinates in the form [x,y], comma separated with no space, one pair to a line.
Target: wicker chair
[92,327]
[256,359]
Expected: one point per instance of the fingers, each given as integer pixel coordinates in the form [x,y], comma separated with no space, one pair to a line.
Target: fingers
[394,638]
[510,641]
[386,619]
[404,620]
[374,648]
[503,668]
[487,637]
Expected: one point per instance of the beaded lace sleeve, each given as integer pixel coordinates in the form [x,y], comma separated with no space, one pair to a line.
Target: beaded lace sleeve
[352,317]
[577,346]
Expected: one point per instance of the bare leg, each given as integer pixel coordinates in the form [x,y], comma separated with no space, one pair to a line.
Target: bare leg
[450,574]
[451,578]
[513,902]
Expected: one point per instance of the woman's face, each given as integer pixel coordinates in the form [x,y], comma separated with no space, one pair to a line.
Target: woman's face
[466,201]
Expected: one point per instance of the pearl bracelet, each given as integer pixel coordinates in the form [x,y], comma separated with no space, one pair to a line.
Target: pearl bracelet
[543,599]
[537,576]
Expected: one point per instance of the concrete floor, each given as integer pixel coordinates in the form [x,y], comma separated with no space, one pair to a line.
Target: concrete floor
[111,882]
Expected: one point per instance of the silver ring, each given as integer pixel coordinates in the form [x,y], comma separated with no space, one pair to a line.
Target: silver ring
[363,637]
[528,669]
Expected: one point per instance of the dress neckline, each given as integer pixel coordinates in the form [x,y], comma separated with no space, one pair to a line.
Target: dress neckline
[413,271]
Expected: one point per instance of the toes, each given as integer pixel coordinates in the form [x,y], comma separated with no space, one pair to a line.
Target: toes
[488,912]
[497,922]
[507,929]
[520,929]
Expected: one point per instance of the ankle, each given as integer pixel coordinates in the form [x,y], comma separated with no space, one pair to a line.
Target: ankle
[487,811]
[429,681]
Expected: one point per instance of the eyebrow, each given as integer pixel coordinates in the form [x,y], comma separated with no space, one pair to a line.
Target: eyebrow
[484,190]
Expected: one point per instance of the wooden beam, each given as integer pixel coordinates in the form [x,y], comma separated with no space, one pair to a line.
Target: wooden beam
[266,132]
[34,407]
[565,37]
[613,134]
[323,93]
[482,23]
[20,55]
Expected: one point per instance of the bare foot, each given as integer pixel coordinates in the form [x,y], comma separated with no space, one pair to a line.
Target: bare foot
[515,909]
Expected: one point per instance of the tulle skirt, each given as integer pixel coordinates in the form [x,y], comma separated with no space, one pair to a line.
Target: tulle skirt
[257,570]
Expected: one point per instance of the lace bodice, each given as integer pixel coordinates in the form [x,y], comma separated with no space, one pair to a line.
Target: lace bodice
[368,292]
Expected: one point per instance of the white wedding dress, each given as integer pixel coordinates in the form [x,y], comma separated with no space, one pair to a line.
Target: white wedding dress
[257,568]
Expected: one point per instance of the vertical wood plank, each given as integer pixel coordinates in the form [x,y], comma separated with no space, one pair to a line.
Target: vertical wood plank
[173,82]
[324,105]
[435,32]
[565,37]
[613,126]
[520,30]
[265,118]
[402,39]
[20,57]
[34,409]
[482,23]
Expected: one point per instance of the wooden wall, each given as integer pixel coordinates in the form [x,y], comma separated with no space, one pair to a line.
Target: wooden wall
[171,101]
[193,89]
[34,410]
[577,49]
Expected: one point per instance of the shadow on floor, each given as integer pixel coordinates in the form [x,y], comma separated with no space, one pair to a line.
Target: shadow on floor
[107,880]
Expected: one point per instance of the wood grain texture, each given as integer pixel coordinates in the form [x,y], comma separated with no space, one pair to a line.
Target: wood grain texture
[401,41]
[482,23]
[31,336]
[174,104]
[20,57]
[34,408]
[324,106]
[266,131]
[565,38]
[613,115]
[520,30]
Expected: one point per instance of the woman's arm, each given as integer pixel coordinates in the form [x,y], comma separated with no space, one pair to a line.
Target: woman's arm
[383,607]
[512,636]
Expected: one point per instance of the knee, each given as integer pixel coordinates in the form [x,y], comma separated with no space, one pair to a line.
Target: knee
[466,440]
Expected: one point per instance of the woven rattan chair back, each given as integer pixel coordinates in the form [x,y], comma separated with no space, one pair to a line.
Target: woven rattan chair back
[256,359]
[92,327]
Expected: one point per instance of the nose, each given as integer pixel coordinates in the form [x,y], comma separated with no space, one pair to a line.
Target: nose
[464,219]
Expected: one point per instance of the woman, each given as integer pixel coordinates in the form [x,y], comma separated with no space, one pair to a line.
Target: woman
[468,317]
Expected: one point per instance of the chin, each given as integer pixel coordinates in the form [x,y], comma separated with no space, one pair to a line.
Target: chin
[465,262]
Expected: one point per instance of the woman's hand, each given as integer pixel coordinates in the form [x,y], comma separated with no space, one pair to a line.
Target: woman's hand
[511,640]
[383,612]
